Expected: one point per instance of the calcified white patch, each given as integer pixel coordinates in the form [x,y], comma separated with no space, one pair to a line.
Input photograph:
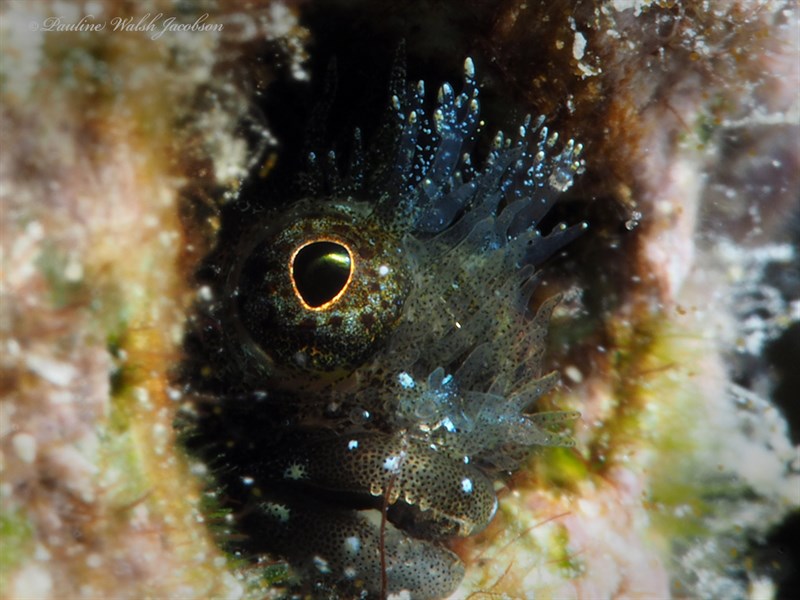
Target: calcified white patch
[635,5]
[90,244]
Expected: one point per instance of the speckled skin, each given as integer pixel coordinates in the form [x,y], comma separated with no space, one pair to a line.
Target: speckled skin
[357,437]
[454,498]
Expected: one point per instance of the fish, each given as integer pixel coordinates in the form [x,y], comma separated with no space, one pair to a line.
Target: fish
[364,358]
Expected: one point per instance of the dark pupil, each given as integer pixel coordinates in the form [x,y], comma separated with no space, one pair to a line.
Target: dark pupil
[320,271]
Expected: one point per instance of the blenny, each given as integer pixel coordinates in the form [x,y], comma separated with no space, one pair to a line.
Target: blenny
[365,361]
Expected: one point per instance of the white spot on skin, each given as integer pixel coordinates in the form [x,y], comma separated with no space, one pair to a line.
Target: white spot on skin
[352,544]
[466,485]
[405,380]
[392,463]
[278,511]
[352,444]
[321,564]
[448,425]
[295,472]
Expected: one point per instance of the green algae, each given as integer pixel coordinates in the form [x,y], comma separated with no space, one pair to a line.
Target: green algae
[560,469]
[561,557]
[65,290]
[16,542]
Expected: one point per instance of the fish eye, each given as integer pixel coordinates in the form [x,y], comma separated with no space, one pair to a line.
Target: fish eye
[321,272]
[318,291]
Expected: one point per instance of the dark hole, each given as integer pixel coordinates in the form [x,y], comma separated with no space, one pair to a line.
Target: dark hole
[321,271]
